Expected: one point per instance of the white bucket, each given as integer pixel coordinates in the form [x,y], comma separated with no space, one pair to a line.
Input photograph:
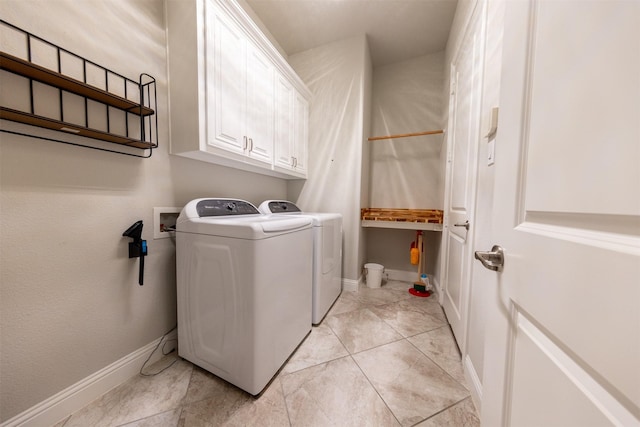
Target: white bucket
[374,274]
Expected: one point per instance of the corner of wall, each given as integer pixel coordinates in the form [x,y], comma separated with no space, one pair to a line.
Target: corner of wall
[365,173]
[338,90]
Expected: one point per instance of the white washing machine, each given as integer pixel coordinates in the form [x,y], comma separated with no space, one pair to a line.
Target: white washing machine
[327,253]
[243,289]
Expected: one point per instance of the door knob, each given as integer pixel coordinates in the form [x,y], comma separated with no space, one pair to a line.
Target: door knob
[464,224]
[493,260]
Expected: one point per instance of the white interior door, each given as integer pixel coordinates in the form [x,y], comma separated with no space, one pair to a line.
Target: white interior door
[464,126]
[563,339]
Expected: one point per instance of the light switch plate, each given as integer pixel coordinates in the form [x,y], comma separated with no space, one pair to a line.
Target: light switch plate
[491,152]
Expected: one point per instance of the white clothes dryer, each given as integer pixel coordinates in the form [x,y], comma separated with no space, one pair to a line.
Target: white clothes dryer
[327,253]
[243,289]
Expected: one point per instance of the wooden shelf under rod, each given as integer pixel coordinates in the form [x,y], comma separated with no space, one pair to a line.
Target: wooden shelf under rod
[406,135]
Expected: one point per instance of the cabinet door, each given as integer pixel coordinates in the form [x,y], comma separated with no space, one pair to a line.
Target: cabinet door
[301,133]
[226,82]
[284,123]
[260,105]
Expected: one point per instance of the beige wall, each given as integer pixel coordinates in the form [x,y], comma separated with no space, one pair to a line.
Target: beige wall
[336,74]
[406,172]
[407,98]
[390,248]
[69,299]
[365,173]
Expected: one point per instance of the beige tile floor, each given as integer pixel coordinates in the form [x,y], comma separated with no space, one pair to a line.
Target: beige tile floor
[381,357]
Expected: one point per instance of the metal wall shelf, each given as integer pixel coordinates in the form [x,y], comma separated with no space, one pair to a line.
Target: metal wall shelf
[138,104]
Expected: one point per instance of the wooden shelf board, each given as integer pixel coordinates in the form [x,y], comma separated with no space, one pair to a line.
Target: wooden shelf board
[45,122]
[406,219]
[28,69]
[424,226]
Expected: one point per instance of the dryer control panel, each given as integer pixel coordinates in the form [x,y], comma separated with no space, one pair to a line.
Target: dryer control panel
[282,206]
[225,207]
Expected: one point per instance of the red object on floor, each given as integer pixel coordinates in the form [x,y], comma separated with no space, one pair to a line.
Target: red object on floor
[418,293]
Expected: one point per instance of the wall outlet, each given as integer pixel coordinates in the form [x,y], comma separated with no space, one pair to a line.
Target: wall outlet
[163,218]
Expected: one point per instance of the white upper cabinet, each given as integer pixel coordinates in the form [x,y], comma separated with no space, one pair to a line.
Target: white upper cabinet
[228,90]
[291,135]
[260,106]
[284,123]
[301,133]
[226,82]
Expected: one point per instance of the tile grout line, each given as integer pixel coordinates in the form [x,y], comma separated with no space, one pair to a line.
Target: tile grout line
[405,338]
[350,355]
[443,410]
[438,364]
[375,389]
[284,397]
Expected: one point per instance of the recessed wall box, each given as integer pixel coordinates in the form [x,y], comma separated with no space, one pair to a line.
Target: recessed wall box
[163,219]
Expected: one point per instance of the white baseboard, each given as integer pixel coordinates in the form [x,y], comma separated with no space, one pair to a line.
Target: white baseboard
[436,288]
[351,285]
[402,275]
[80,394]
[409,276]
[472,378]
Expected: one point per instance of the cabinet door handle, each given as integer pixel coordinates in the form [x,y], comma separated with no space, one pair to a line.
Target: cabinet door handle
[250,144]
[293,161]
[244,146]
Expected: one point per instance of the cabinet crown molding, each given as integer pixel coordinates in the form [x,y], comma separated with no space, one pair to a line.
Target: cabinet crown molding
[236,12]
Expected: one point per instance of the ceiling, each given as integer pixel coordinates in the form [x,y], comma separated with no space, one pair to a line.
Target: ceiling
[396,29]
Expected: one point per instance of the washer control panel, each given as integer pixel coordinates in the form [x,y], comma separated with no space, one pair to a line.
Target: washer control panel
[225,207]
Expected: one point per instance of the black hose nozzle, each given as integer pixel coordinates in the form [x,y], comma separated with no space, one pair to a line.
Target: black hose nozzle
[137,248]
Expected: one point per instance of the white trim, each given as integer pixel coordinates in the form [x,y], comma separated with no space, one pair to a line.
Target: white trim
[475,26]
[436,287]
[626,244]
[352,285]
[233,9]
[402,275]
[405,276]
[600,397]
[85,391]
[473,380]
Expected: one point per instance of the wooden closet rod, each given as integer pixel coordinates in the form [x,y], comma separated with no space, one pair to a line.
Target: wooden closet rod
[405,135]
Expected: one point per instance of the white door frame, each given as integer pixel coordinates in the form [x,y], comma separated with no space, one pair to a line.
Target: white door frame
[478,13]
